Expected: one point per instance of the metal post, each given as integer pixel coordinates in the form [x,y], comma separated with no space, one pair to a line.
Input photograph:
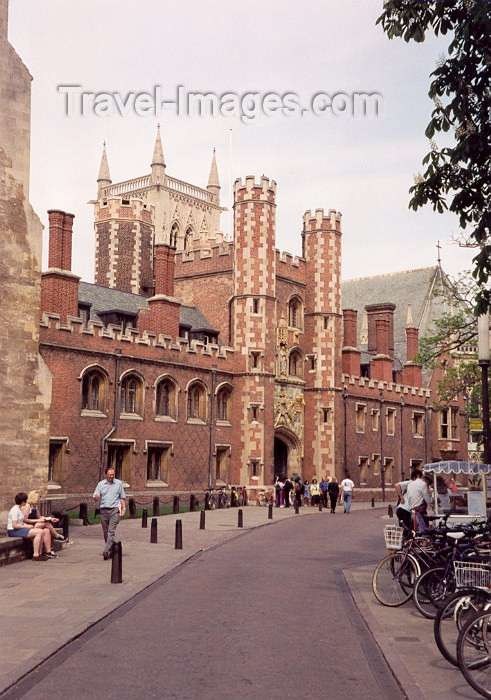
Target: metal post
[178,534]
[132,508]
[175,505]
[295,505]
[202,516]
[373,502]
[483,348]
[270,511]
[144,518]
[153,531]
[212,422]
[240,518]
[192,503]
[156,506]
[390,512]
[320,505]
[116,563]
[82,513]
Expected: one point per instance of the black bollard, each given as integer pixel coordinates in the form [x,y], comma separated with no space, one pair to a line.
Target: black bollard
[296,507]
[132,508]
[390,512]
[270,511]
[144,518]
[116,563]
[202,520]
[82,514]
[178,534]
[320,506]
[192,503]
[156,506]
[240,518]
[373,502]
[65,523]
[153,531]
[175,505]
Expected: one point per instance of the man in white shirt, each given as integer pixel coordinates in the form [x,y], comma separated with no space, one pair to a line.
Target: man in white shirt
[418,497]
[346,494]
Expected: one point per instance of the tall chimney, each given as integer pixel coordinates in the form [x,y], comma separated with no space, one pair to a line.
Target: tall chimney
[59,286]
[380,311]
[351,354]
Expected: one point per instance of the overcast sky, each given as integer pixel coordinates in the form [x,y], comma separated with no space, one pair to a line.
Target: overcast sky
[361,166]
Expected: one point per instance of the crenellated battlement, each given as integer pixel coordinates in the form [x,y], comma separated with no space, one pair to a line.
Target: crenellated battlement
[373,387]
[249,189]
[135,208]
[95,330]
[290,266]
[320,221]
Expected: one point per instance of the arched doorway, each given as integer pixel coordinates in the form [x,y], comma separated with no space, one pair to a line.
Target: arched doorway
[287,455]
[280,458]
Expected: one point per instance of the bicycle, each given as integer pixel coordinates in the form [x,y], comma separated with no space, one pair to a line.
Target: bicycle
[474,652]
[394,576]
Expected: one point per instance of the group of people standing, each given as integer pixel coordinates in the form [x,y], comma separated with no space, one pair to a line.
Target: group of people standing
[288,491]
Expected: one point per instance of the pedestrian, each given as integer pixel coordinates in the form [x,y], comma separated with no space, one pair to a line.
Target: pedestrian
[323,490]
[419,498]
[287,489]
[279,492]
[333,490]
[347,487]
[403,511]
[314,493]
[17,527]
[306,493]
[109,493]
[299,491]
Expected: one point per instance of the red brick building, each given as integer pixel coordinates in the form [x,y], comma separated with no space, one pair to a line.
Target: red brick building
[197,360]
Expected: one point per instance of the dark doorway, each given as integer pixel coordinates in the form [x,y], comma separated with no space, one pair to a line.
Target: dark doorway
[280,458]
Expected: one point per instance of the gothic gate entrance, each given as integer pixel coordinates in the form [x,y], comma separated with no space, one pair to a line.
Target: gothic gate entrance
[286,453]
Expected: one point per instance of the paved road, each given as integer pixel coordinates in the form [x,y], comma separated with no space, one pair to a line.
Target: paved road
[266,615]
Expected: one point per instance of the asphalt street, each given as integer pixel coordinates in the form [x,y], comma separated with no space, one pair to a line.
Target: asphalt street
[265,615]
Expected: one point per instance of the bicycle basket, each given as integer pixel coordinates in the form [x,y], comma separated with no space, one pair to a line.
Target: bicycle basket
[393,536]
[472,574]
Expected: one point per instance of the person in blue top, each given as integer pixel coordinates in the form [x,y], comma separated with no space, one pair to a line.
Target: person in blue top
[109,493]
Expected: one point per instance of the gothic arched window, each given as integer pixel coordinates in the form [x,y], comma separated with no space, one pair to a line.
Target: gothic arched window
[173,235]
[223,403]
[295,364]
[165,400]
[295,313]
[94,390]
[196,402]
[131,395]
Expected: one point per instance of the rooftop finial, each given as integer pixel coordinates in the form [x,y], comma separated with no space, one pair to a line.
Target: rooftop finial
[213,181]
[409,319]
[104,179]
[439,260]
[158,162]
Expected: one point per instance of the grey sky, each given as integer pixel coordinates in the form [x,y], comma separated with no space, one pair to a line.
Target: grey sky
[362,167]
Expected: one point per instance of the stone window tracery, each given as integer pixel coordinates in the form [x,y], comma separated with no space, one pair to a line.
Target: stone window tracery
[131,395]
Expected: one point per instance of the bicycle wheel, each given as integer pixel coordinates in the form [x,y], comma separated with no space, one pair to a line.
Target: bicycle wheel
[394,578]
[474,652]
[422,597]
[451,618]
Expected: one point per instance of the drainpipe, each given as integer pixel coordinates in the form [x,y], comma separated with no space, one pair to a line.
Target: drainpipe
[345,401]
[117,354]
[402,441]
[382,465]
[212,422]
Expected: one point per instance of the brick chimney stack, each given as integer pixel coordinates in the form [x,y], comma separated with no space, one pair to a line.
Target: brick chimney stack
[351,354]
[162,316]
[382,362]
[163,269]
[59,286]
[385,312]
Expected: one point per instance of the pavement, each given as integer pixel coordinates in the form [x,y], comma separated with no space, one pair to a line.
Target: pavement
[46,605]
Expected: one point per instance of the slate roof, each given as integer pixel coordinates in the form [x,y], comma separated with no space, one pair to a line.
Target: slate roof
[414,287]
[106,299]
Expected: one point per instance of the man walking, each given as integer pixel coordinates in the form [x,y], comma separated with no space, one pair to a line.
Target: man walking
[110,494]
[346,494]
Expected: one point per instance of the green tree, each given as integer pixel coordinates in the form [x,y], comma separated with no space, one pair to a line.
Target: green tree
[457,177]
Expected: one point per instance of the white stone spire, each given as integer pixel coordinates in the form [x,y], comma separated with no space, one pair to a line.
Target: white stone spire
[158,162]
[409,319]
[213,181]
[104,179]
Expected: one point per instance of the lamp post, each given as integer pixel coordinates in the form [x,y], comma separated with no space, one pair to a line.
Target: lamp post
[483,352]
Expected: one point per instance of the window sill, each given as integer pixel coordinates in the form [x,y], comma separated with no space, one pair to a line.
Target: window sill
[165,419]
[89,413]
[196,421]
[418,437]
[130,416]
[157,484]
[53,486]
[224,423]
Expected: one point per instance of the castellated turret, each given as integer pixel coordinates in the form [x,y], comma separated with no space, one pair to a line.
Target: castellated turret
[254,311]
[321,244]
